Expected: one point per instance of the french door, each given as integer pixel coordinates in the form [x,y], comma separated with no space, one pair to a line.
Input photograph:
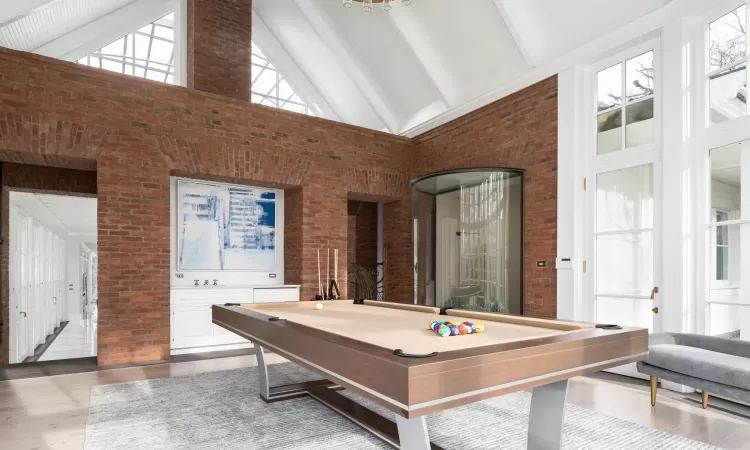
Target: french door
[625,259]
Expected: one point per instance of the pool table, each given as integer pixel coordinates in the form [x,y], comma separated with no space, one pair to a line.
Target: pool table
[386,353]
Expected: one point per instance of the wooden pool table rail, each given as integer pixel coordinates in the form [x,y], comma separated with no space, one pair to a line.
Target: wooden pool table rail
[414,387]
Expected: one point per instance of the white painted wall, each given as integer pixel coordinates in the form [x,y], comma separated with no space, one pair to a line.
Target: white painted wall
[227,278]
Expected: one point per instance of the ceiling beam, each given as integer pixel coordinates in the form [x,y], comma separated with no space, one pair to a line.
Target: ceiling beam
[107,29]
[517,38]
[11,10]
[647,27]
[359,74]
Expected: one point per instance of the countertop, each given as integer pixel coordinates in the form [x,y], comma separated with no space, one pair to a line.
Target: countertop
[225,288]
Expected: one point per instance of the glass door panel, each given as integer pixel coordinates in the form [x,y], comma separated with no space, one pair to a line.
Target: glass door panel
[624,249]
[728,237]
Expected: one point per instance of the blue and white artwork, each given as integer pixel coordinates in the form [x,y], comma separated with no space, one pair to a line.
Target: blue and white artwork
[225,227]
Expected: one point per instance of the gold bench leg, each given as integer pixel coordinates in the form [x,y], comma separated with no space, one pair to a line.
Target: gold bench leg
[705,399]
[654,383]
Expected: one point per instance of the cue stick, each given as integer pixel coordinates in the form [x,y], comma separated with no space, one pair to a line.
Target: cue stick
[328,271]
[320,288]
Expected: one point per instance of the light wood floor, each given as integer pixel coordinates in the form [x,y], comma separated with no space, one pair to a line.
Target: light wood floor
[51,412]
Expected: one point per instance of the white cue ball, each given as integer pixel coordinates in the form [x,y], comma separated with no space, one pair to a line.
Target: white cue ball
[319,306]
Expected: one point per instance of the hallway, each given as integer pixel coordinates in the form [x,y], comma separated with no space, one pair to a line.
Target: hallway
[77,339]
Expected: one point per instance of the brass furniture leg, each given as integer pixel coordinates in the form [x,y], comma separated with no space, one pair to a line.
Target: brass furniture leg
[654,382]
[705,399]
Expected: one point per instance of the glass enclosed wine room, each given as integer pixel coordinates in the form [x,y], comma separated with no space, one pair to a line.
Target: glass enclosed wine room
[468,240]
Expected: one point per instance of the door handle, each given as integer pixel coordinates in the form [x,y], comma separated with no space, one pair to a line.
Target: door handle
[22,312]
[654,291]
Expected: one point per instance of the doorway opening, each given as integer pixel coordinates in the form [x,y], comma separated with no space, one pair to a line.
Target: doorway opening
[53,277]
[365,250]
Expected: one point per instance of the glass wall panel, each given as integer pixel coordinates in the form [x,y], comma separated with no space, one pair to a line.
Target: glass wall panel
[468,236]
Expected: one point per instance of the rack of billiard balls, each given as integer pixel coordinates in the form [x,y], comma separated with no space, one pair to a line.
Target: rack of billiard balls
[455,328]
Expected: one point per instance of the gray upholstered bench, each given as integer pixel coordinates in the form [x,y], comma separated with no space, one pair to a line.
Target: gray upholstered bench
[710,364]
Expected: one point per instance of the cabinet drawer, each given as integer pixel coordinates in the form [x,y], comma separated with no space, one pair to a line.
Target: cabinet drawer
[276,295]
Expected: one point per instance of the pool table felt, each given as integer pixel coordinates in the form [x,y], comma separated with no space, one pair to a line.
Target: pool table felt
[395,328]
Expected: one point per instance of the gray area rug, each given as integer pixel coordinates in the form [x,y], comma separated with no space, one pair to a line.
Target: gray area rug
[222,410]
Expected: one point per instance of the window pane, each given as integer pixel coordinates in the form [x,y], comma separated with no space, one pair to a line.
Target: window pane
[728,94]
[609,87]
[722,262]
[726,255]
[639,129]
[164,32]
[639,80]
[624,263]
[269,86]
[727,39]
[137,49]
[726,182]
[113,66]
[624,312]
[625,199]
[729,321]
[609,132]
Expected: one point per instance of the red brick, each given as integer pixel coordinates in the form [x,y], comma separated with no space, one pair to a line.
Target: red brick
[519,131]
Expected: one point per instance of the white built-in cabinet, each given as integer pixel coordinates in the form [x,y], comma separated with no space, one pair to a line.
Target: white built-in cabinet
[192,329]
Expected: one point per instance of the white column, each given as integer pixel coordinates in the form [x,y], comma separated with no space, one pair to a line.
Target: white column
[180,43]
[680,180]
[571,161]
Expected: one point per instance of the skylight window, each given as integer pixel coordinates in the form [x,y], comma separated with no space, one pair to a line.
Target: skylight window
[270,88]
[147,53]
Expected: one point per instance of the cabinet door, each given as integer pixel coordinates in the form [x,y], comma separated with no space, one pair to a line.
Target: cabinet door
[191,326]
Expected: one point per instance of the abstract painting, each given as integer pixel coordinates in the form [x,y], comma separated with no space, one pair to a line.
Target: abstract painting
[225,227]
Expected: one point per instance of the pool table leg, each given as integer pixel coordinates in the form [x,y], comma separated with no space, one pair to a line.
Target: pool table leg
[546,416]
[412,433]
[265,394]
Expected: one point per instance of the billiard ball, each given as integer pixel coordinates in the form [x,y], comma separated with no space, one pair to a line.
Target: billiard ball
[319,306]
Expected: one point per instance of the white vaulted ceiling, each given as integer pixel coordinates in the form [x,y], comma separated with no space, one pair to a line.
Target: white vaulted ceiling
[393,71]
[47,21]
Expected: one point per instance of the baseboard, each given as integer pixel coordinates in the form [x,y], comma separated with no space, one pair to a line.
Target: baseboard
[213,348]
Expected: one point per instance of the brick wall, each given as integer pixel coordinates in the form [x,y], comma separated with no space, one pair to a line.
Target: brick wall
[219,47]
[137,132]
[519,131]
[21,177]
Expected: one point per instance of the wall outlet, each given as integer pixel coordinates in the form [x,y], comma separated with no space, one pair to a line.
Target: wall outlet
[271,275]
[179,275]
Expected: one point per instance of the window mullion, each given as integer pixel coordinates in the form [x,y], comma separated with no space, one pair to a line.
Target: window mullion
[624,102]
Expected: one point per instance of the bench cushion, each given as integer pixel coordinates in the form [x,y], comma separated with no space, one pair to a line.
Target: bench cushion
[700,363]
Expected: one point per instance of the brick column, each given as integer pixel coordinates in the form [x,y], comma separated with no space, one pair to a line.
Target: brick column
[315,218]
[219,45]
[397,241]
[134,251]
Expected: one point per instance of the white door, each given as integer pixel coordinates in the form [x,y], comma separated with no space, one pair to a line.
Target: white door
[625,269]
[17,311]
